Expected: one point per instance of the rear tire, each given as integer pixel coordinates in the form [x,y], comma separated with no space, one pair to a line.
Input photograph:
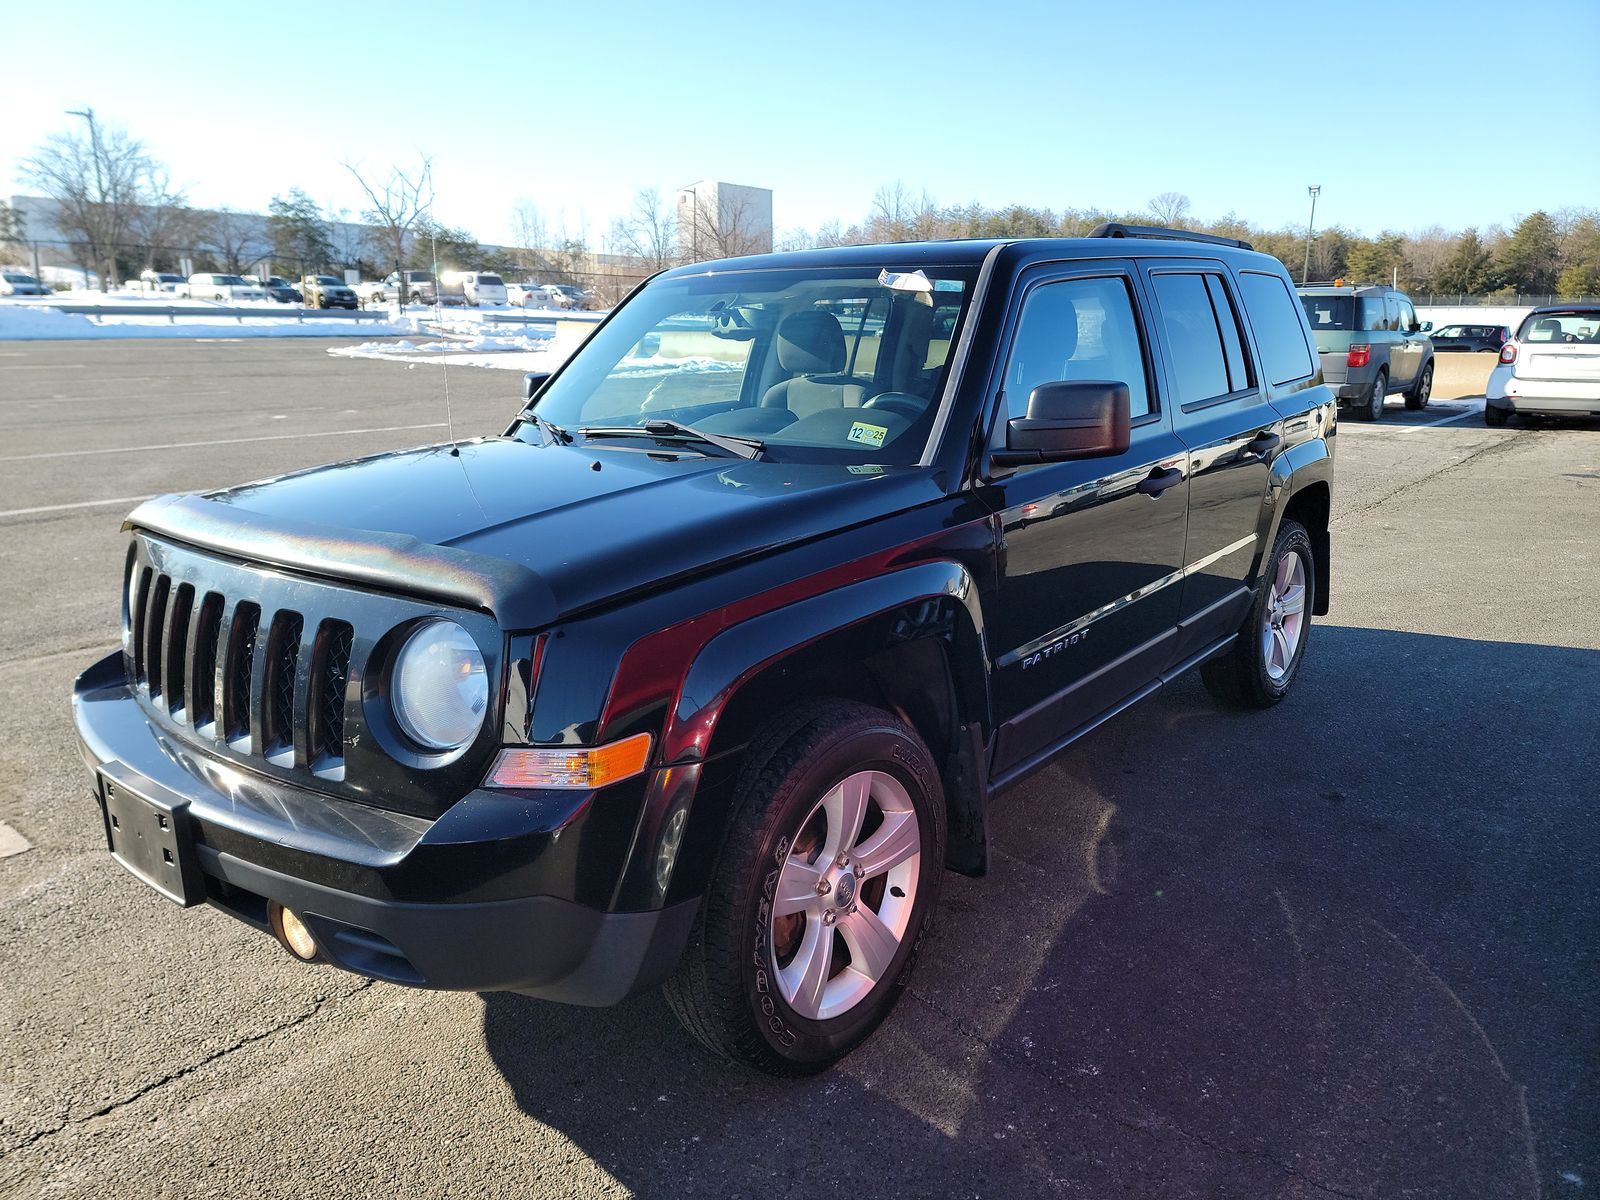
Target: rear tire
[1417,397]
[1259,668]
[1371,408]
[836,842]
[1495,418]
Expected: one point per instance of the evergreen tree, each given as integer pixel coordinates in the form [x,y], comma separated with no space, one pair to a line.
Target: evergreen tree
[1530,261]
[1466,270]
[298,232]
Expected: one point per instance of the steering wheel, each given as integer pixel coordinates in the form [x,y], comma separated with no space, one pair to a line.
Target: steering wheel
[902,404]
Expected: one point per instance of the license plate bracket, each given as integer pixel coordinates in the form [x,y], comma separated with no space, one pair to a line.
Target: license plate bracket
[151,838]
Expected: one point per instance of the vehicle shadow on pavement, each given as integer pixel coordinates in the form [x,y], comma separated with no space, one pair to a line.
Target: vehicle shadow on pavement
[1327,949]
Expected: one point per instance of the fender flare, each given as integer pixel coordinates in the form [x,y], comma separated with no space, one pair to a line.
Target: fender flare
[682,818]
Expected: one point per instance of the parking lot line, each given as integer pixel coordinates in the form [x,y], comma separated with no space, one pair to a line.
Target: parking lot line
[44,508]
[1460,416]
[268,437]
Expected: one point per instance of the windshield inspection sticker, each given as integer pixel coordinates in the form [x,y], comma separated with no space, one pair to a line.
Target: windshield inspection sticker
[867,435]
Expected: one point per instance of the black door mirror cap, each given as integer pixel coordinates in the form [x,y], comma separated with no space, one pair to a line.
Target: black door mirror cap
[1067,420]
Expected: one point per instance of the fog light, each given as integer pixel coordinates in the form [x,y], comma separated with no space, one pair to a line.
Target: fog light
[292,932]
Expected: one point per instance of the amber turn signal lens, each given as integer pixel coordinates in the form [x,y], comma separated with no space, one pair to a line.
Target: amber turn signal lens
[570,766]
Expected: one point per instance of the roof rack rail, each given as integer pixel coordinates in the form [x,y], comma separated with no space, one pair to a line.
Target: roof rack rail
[1116,229]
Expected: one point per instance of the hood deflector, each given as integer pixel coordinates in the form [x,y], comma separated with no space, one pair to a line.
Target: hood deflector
[391,562]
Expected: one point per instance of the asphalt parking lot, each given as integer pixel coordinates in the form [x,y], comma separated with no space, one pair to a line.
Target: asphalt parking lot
[1344,948]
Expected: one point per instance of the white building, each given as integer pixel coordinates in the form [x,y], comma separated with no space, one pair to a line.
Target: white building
[721,220]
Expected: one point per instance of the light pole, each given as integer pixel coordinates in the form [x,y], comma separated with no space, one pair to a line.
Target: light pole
[99,183]
[1305,272]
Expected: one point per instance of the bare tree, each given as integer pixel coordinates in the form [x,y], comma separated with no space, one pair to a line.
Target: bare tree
[726,227]
[1170,209]
[234,239]
[555,252]
[162,222]
[649,232]
[97,183]
[395,204]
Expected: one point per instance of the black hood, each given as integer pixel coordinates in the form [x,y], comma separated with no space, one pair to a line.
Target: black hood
[637,521]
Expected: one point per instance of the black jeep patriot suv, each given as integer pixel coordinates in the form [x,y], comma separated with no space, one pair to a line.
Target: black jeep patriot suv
[705,670]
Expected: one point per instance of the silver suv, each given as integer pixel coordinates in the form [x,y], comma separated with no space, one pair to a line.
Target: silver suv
[1371,344]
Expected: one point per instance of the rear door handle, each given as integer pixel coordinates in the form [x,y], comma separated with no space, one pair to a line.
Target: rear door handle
[1159,480]
[1263,444]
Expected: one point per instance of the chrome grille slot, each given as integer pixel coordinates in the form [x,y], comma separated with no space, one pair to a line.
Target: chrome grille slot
[239,671]
[155,625]
[330,675]
[203,671]
[141,603]
[174,666]
[278,706]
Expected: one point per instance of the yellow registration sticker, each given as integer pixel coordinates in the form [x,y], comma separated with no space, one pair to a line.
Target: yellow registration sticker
[867,435]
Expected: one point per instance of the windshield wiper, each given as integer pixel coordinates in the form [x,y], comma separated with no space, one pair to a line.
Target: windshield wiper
[552,430]
[665,427]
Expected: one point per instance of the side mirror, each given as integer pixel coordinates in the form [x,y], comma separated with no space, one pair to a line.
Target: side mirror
[532,381]
[1070,419]
[1425,327]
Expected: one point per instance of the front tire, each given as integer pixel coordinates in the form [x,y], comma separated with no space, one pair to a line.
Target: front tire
[1260,667]
[1417,397]
[821,893]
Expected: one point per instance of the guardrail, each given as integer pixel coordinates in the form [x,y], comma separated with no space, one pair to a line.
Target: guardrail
[173,311]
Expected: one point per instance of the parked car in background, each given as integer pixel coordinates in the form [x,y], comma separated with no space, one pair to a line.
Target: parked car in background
[328,291]
[565,295]
[706,675]
[1371,344]
[160,281]
[480,289]
[1477,338]
[20,283]
[406,287]
[526,295]
[278,288]
[208,285]
[1551,368]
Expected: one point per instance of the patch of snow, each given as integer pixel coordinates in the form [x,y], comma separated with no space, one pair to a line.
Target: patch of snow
[42,322]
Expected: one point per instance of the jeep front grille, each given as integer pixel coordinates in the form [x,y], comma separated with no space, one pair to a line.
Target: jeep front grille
[186,656]
[269,670]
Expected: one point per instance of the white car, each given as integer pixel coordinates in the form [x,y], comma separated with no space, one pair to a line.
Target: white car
[211,286]
[480,289]
[1551,367]
[525,295]
[20,283]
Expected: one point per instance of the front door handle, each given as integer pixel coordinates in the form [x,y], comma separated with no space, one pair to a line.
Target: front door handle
[1263,444]
[1159,480]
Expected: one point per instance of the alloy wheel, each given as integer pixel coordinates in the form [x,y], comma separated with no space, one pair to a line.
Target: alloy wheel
[1284,621]
[845,895]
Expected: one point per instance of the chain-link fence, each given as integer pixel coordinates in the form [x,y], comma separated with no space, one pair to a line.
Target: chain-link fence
[1498,300]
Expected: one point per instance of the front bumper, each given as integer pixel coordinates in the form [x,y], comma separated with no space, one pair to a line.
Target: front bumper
[451,904]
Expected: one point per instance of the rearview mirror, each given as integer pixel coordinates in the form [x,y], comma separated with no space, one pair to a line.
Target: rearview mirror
[1069,419]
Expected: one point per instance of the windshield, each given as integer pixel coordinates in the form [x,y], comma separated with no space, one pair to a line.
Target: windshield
[1579,326]
[824,365]
[10,277]
[231,281]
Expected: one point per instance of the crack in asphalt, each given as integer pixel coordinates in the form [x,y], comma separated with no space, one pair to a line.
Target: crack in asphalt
[1491,447]
[189,1069]
[1156,1127]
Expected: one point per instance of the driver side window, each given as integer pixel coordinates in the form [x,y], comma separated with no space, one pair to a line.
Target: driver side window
[1076,329]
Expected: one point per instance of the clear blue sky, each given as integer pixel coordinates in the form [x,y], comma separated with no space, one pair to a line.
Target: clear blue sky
[575,106]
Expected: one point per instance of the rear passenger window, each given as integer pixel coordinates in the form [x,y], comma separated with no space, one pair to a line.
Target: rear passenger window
[1280,336]
[1372,317]
[1203,335]
[1077,329]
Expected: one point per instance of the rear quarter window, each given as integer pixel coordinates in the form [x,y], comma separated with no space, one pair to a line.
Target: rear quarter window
[1280,332]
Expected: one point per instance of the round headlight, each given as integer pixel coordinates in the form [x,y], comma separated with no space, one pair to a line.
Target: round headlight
[440,688]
